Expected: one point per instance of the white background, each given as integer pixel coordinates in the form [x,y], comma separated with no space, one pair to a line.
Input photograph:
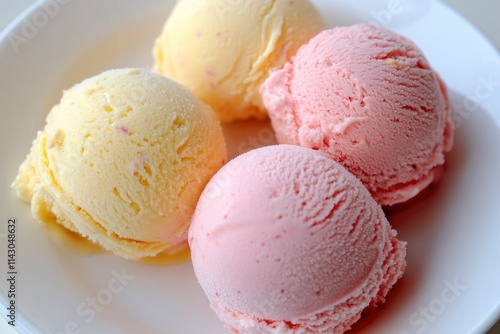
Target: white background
[482,13]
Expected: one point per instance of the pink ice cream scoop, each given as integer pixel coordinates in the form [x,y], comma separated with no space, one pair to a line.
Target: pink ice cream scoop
[368,98]
[286,240]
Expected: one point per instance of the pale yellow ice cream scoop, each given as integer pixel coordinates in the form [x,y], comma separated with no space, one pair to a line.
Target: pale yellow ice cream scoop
[223,49]
[122,160]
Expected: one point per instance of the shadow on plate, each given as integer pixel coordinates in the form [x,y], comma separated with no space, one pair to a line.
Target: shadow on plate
[430,222]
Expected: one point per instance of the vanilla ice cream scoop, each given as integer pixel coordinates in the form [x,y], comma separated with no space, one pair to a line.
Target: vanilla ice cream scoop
[122,160]
[223,49]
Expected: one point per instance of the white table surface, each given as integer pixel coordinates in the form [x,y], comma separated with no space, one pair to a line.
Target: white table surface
[482,13]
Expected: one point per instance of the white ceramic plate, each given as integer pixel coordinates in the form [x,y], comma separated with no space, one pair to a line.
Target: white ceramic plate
[452,281]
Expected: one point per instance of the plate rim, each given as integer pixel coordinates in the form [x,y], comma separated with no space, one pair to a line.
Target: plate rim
[24,323]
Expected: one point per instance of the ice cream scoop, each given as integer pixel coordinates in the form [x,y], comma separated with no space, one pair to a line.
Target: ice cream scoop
[122,160]
[368,98]
[223,49]
[286,240]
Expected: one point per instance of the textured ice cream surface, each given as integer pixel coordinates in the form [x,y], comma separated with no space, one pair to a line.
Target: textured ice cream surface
[223,50]
[368,98]
[122,160]
[285,240]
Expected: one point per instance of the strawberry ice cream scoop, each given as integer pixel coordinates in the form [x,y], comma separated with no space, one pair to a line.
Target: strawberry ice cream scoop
[368,98]
[285,240]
